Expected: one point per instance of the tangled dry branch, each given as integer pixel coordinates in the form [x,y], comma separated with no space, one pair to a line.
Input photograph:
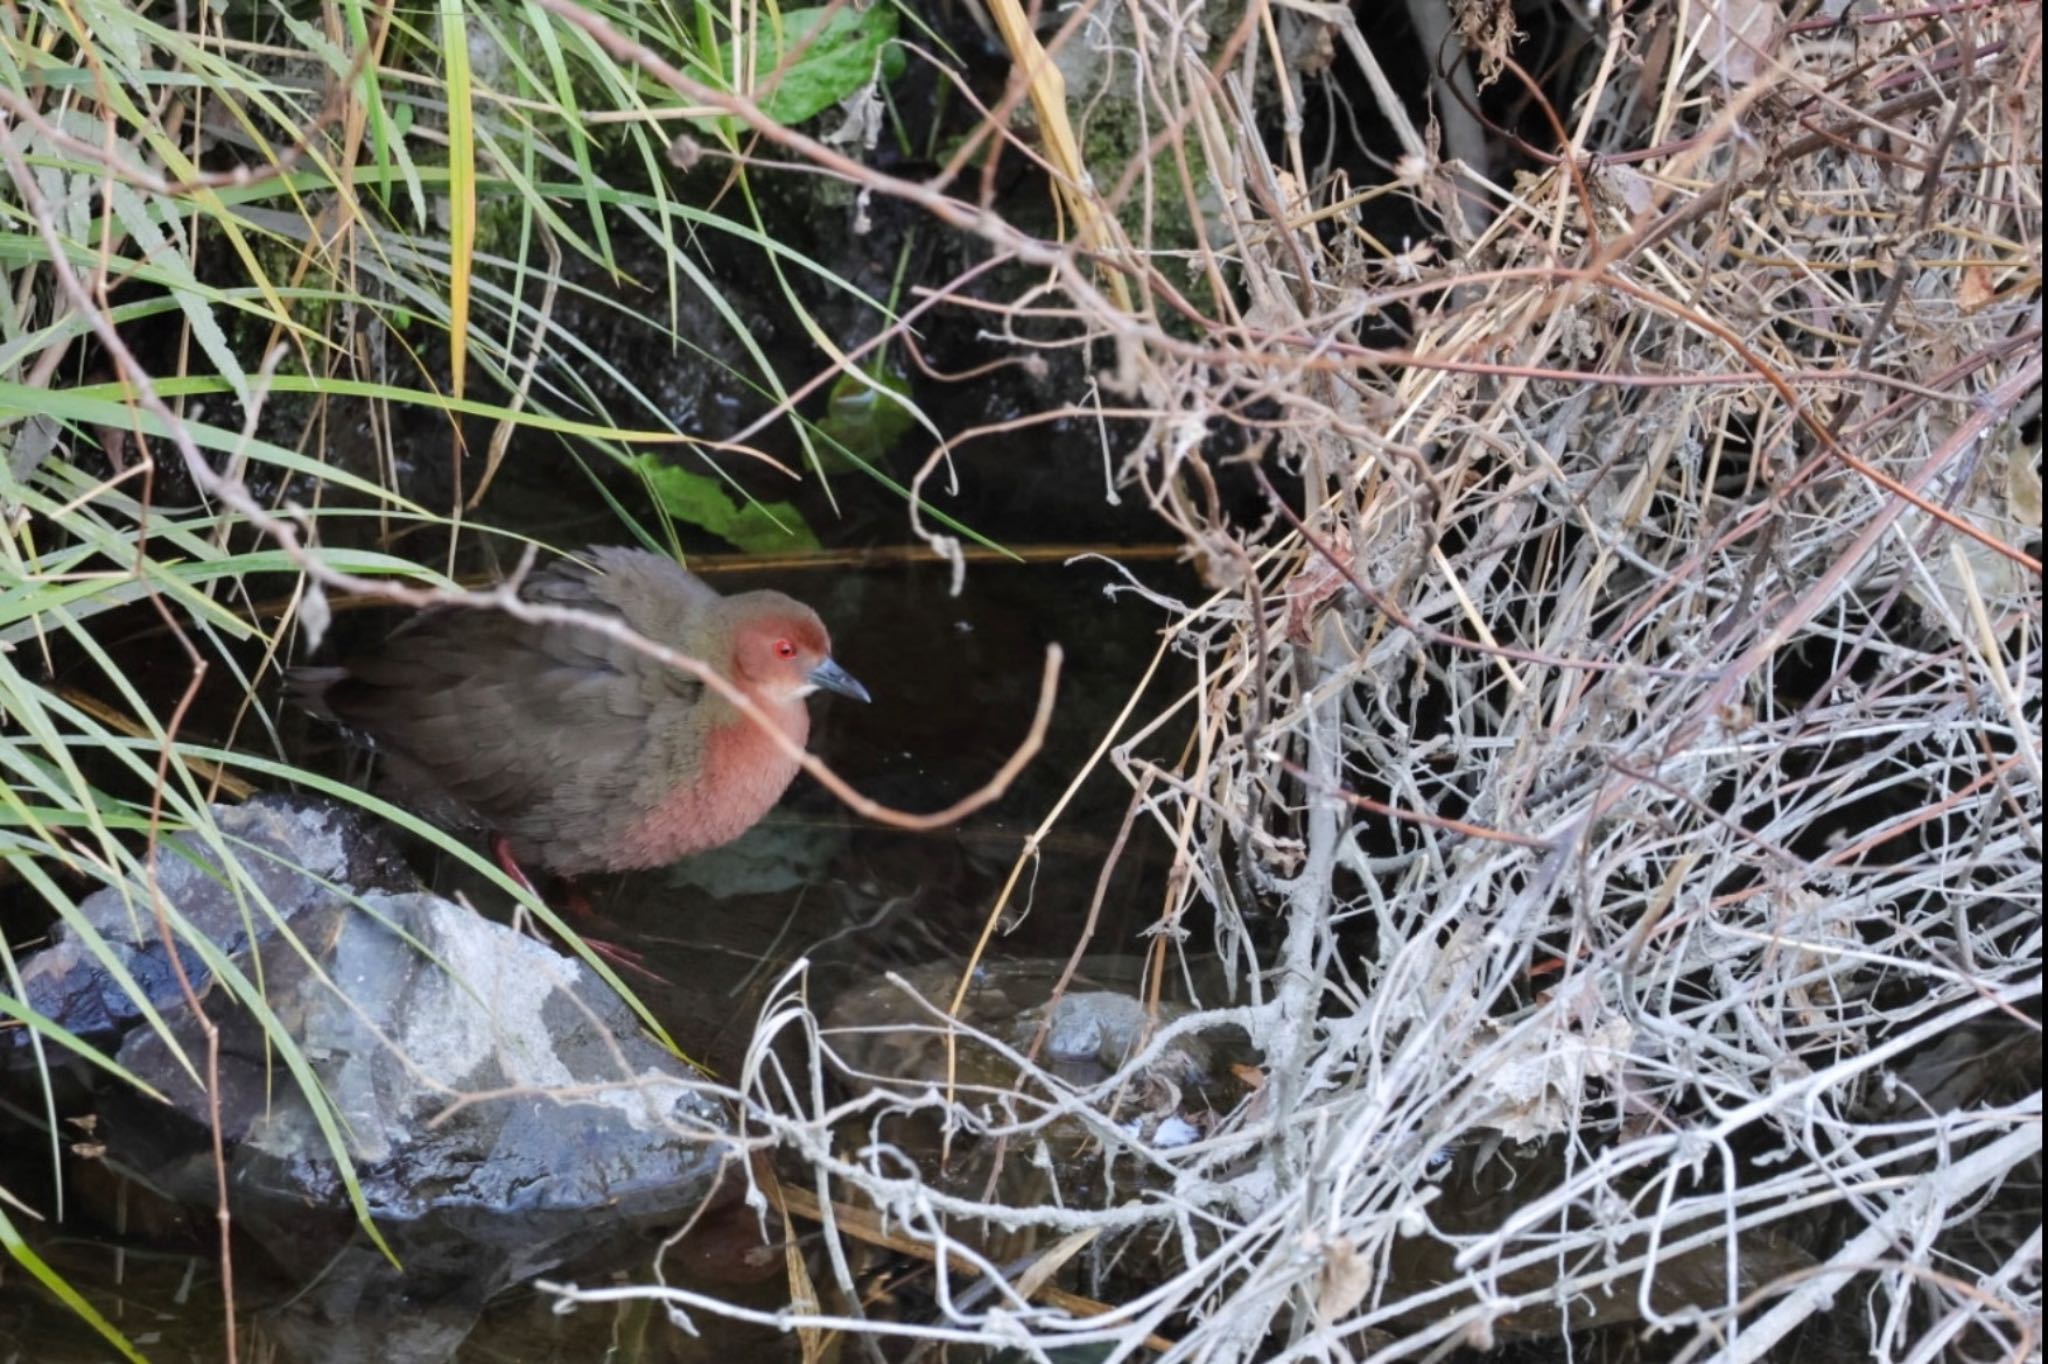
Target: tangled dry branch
[1617,759]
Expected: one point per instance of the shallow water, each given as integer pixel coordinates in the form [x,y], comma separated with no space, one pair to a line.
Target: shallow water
[955,680]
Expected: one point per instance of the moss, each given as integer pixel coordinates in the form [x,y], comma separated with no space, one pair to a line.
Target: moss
[1106,111]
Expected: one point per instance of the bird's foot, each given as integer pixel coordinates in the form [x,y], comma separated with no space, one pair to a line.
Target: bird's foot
[577,904]
[501,848]
[626,959]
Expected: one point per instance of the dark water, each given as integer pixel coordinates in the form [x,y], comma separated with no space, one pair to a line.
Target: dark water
[954,680]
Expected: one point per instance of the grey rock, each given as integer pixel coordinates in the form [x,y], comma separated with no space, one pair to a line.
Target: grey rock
[502,1111]
[289,854]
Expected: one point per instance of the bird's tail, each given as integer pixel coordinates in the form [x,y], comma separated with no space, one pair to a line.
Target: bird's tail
[307,687]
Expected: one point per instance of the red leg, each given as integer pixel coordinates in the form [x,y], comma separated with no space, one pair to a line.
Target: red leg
[501,848]
[578,904]
[625,958]
[575,901]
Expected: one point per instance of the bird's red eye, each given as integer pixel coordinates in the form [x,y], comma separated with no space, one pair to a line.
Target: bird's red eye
[784,649]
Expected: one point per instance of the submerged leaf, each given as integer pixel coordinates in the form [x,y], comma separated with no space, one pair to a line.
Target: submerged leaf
[708,503]
[832,52]
[868,418]
[315,615]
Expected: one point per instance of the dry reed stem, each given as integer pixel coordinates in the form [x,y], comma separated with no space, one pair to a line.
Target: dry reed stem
[1670,591]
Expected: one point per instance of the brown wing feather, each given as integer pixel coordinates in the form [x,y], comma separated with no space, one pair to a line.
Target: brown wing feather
[546,733]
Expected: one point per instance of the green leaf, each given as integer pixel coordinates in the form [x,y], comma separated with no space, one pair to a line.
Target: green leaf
[869,416]
[462,188]
[149,238]
[11,1241]
[835,50]
[706,502]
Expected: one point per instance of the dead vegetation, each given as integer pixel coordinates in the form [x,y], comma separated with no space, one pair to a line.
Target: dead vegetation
[1618,750]
[1613,806]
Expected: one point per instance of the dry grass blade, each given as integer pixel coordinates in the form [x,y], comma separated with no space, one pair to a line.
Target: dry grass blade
[865,1226]
[1616,750]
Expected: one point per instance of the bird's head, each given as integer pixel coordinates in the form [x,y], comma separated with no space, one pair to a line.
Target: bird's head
[781,652]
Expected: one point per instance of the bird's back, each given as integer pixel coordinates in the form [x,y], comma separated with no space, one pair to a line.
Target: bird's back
[550,734]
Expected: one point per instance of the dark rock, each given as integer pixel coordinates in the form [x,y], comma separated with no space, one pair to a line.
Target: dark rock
[891,1039]
[501,1109]
[503,1113]
[291,854]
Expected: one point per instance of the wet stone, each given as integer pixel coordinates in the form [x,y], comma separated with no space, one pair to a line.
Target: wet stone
[502,1110]
[291,854]
[890,1040]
